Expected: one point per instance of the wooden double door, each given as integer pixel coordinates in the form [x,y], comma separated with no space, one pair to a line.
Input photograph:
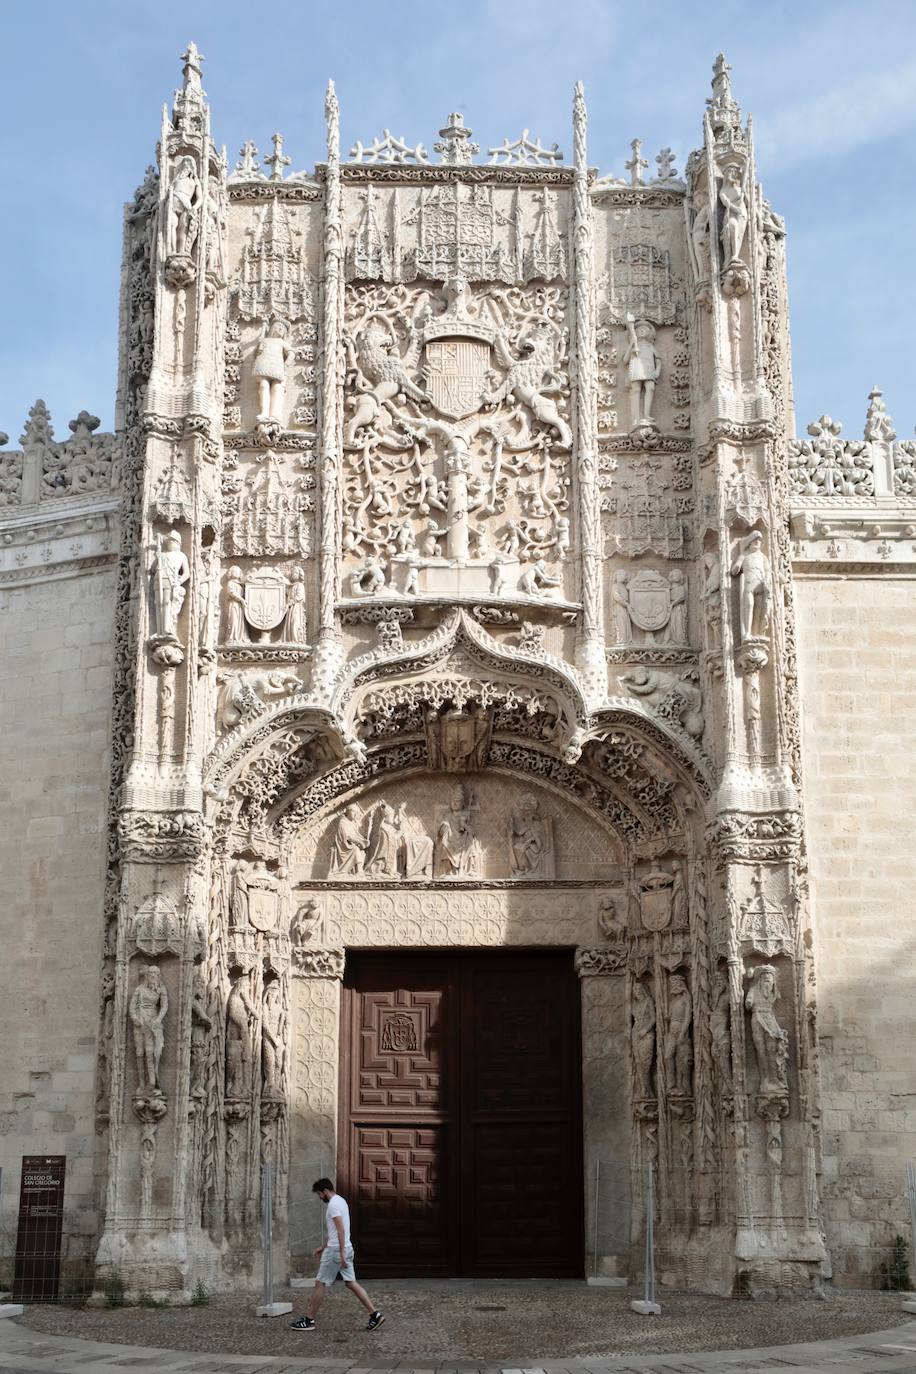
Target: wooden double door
[460,1141]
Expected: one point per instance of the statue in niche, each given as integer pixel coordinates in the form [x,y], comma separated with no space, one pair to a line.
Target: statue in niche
[458,853]
[642,1039]
[272,1042]
[721,1033]
[348,848]
[531,853]
[106,1037]
[678,1046]
[537,581]
[201,1025]
[771,1042]
[679,905]
[699,236]
[458,741]
[269,370]
[755,591]
[677,623]
[294,627]
[733,199]
[712,601]
[644,366]
[236,632]
[417,846]
[171,573]
[384,847]
[620,593]
[148,1008]
[240,1020]
[183,214]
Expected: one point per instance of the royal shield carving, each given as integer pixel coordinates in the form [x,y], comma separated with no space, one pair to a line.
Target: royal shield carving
[455,373]
[265,598]
[650,600]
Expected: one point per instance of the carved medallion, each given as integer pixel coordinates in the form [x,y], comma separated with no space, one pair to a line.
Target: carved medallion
[398,1034]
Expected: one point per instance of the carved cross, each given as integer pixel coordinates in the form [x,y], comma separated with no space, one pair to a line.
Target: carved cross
[666,168]
[247,164]
[276,161]
[637,164]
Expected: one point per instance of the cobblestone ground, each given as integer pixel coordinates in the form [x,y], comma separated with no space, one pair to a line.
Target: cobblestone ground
[479,1323]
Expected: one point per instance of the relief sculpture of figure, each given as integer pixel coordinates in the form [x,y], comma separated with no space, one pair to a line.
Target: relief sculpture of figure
[458,852]
[733,199]
[240,1017]
[530,841]
[384,843]
[699,236]
[201,1024]
[148,1007]
[752,570]
[642,1039]
[269,370]
[771,1042]
[235,606]
[171,574]
[417,846]
[184,202]
[644,365]
[720,1030]
[348,848]
[294,619]
[620,594]
[272,1042]
[678,1046]
[677,621]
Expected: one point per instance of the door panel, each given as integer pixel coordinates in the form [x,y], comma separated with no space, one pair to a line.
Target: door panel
[461,1113]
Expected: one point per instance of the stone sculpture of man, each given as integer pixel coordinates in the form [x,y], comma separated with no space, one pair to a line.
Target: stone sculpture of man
[751,568]
[457,848]
[148,1007]
[720,1031]
[644,365]
[172,573]
[269,370]
[530,841]
[678,1047]
[771,1047]
[382,860]
[348,848]
[733,199]
[185,197]
[417,846]
[642,1039]
[240,1017]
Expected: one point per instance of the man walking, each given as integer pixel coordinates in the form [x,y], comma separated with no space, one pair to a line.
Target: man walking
[336,1258]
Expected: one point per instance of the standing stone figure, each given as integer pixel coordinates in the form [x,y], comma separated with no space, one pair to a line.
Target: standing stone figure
[148,1007]
[201,1023]
[240,1017]
[644,366]
[235,606]
[272,1042]
[677,621]
[752,570]
[620,593]
[269,370]
[771,1042]
[106,1038]
[642,1039]
[349,845]
[699,236]
[294,620]
[721,1033]
[530,841]
[417,846]
[171,574]
[733,199]
[457,847]
[184,202]
[385,843]
[678,1047]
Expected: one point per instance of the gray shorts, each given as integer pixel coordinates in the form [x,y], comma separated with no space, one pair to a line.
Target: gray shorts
[331,1265]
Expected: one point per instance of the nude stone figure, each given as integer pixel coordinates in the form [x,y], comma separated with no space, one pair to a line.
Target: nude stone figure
[148,1007]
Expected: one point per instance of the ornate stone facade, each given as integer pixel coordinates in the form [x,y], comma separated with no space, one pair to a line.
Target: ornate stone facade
[457,506]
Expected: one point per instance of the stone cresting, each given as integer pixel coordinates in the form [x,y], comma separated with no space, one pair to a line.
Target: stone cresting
[458,507]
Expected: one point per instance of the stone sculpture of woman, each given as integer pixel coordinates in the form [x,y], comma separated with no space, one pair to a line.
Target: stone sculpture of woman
[235,606]
[733,198]
[294,620]
[771,1047]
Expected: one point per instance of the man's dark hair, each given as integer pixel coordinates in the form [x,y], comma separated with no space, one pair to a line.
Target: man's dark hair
[320,1184]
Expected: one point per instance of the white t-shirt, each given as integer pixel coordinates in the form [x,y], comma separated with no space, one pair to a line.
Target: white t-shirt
[337,1207]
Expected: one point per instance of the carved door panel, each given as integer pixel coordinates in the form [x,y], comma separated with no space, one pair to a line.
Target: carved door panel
[461,1114]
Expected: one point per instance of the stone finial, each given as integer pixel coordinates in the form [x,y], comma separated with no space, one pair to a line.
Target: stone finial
[38,431]
[637,164]
[276,160]
[189,114]
[191,71]
[879,427]
[84,423]
[455,146]
[332,120]
[724,114]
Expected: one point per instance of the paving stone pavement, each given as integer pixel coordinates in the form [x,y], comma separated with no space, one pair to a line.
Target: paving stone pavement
[24,1351]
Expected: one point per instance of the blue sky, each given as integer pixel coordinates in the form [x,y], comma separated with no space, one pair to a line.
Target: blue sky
[831,86]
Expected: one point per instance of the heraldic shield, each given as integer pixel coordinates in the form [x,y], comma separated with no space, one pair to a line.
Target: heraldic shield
[655,900]
[455,372]
[265,598]
[650,600]
[262,907]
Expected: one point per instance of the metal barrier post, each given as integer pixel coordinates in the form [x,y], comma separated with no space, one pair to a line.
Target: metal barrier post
[647,1306]
[269,1308]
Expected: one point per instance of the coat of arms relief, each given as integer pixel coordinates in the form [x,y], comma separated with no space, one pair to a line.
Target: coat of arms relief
[457,440]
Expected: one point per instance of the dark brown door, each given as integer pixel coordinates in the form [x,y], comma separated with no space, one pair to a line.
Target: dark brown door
[461,1113]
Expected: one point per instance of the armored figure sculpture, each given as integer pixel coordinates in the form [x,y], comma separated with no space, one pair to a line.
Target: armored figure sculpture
[171,573]
[269,370]
[644,366]
[148,1007]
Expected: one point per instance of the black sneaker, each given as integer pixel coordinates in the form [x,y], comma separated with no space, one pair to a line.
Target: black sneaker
[375,1320]
[303,1324]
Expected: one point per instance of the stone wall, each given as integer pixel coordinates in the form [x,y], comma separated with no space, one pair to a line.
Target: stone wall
[55,686]
[857,639]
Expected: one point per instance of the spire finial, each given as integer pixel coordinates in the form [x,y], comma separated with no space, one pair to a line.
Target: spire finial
[192,59]
[455,146]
